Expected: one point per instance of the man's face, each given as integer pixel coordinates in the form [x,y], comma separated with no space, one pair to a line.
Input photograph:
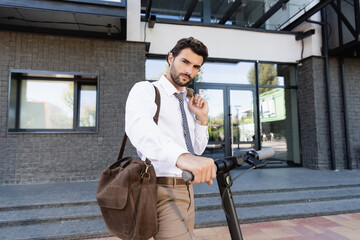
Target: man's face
[184,67]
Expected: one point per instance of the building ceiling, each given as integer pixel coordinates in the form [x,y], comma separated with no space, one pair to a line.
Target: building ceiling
[63,17]
[265,14]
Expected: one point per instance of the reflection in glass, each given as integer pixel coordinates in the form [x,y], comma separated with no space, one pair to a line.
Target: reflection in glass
[87,106]
[214,97]
[233,73]
[279,126]
[46,104]
[242,120]
[274,75]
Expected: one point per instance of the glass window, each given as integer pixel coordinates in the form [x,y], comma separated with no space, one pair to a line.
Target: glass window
[171,9]
[46,104]
[155,68]
[87,105]
[232,73]
[279,123]
[50,102]
[275,74]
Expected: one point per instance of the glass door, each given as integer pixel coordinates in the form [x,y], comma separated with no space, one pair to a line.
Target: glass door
[231,120]
[216,121]
[241,119]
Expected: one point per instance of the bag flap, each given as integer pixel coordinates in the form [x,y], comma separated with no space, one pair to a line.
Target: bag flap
[113,188]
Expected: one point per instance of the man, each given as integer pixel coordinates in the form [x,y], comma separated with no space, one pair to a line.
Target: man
[168,144]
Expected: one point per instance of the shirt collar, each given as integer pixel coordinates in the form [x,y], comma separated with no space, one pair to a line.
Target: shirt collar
[169,88]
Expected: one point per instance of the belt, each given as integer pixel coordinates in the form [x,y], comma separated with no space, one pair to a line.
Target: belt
[170,181]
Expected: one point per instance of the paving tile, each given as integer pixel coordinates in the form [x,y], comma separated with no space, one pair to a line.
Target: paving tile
[247,226]
[323,222]
[283,223]
[204,232]
[287,238]
[305,231]
[201,238]
[335,236]
[335,227]
[336,218]
[261,225]
[352,216]
[280,232]
[220,237]
[301,221]
[312,237]
[222,230]
[346,232]
[255,235]
[314,228]
[352,224]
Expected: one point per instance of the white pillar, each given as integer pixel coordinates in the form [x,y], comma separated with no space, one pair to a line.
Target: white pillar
[133,20]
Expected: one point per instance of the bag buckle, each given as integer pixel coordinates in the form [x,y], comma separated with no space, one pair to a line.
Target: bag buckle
[146,174]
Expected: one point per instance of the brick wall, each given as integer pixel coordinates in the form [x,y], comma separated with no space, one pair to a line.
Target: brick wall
[307,113]
[41,158]
[352,75]
[313,113]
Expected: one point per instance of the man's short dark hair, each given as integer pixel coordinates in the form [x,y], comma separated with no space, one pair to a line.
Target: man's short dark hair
[195,45]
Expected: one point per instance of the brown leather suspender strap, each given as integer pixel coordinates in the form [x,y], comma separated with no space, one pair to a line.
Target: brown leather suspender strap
[156,119]
[157,101]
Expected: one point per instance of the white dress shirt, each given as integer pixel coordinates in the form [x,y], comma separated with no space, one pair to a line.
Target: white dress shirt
[165,142]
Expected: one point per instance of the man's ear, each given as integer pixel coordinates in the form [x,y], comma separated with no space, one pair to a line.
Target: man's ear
[170,58]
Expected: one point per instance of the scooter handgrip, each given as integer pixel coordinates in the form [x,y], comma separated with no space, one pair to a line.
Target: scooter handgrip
[187,176]
[265,153]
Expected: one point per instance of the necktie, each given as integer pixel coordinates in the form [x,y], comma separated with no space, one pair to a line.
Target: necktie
[189,146]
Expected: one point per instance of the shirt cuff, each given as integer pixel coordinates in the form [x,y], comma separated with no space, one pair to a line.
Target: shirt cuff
[171,153]
[201,130]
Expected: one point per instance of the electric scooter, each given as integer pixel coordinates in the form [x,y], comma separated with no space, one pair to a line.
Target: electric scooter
[223,167]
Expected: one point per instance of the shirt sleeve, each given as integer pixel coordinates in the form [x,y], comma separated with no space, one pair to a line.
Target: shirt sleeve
[143,132]
[201,138]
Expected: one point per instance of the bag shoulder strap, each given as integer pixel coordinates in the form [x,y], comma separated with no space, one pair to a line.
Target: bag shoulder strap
[156,119]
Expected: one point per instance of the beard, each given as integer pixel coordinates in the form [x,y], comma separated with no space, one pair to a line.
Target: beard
[176,77]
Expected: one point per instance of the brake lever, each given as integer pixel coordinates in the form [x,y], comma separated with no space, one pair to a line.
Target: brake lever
[252,158]
[256,163]
[259,163]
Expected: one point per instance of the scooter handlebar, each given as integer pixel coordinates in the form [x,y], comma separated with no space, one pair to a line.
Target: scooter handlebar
[251,157]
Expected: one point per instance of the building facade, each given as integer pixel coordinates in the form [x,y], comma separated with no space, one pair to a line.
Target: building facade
[271,80]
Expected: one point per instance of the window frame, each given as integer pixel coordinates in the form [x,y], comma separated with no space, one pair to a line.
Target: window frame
[77,80]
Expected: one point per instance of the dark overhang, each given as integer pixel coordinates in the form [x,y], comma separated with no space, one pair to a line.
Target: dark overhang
[148,9]
[190,9]
[88,18]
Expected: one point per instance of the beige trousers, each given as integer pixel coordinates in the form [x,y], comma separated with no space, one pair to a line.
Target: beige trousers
[176,213]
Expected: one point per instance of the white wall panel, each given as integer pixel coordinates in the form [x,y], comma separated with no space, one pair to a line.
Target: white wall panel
[228,43]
